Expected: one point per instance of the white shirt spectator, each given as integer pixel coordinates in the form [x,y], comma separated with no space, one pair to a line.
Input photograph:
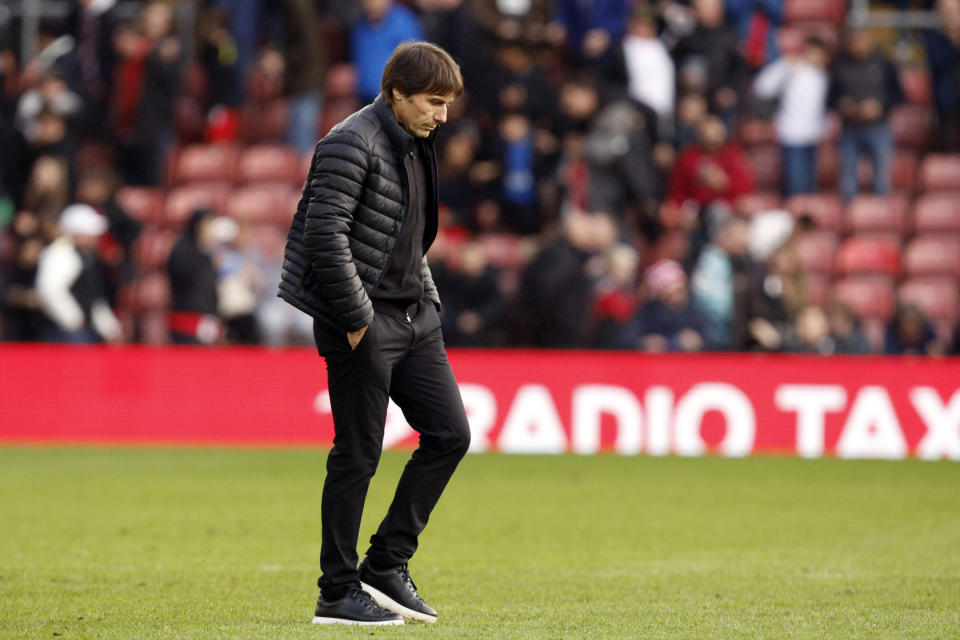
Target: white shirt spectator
[802,87]
[650,74]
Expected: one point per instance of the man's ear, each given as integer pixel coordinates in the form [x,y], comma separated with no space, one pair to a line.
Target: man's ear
[397,95]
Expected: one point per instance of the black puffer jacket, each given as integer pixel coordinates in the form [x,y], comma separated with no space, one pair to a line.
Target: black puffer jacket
[349,218]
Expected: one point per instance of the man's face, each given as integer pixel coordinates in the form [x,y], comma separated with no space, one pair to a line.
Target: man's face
[420,113]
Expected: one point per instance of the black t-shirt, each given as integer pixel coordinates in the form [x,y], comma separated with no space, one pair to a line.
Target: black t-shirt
[402,284]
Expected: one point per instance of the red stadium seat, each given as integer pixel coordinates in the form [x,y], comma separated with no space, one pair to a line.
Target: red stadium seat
[816,289]
[940,172]
[504,250]
[885,214]
[936,297]
[203,163]
[258,204]
[912,126]
[917,87]
[153,292]
[790,36]
[933,255]
[862,256]
[937,212]
[828,167]
[341,81]
[286,213]
[152,248]
[184,200]
[817,251]
[766,164]
[757,202]
[154,327]
[814,10]
[269,163]
[903,172]
[264,122]
[335,111]
[826,209]
[144,204]
[868,296]
[755,131]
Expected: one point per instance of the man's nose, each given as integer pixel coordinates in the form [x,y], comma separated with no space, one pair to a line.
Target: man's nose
[441,114]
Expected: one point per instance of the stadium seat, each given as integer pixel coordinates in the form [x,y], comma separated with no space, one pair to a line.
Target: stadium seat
[756,131]
[258,204]
[766,164]
[937,212]
[933,255]
[940,171]
[154,327]
[269,163]
[817,251]
[916,84]
[203,163]
[936,297]
[869,255]
[184,200]
[286,213]
[144,204]
[265,122]
[341,81]
[828,166]
[152,248]
[153,292]
[790,36]
[757,202]
[885,214]
[504,250]
[912,126]
[816,289]
[814,10]
[826,209]
[868,296]
[903,172]
[189,120]
[334,111]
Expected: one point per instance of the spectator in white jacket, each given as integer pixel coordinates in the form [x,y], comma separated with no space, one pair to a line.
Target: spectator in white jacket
[70,281]
[800,84]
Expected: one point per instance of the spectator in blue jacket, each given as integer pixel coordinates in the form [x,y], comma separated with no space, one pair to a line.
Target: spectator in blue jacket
[381,27]
[591,26]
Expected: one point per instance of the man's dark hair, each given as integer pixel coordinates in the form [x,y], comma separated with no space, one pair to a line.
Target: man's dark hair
[420,67]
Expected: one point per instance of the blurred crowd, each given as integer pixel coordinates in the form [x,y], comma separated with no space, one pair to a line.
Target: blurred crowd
[595,184]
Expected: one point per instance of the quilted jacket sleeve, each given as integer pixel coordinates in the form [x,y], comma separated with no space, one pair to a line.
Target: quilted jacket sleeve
[339,170]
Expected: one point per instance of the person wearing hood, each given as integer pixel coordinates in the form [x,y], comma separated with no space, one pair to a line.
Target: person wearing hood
[70,282]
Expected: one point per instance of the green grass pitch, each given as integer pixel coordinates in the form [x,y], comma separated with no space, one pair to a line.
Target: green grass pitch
[224,543]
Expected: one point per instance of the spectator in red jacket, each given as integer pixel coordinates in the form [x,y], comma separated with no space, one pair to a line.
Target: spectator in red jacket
[711,169]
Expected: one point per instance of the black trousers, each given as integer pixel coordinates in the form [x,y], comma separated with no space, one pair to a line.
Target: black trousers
[404,360]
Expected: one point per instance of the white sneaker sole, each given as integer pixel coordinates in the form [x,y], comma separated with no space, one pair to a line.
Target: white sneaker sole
[390,604]
[359,623]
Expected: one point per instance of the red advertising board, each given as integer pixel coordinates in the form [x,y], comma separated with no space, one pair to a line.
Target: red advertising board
[517,401]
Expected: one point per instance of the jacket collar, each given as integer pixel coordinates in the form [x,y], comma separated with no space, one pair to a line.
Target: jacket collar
[401,140]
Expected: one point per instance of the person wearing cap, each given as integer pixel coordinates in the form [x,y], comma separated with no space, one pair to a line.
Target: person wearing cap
[70,282]
[668,321]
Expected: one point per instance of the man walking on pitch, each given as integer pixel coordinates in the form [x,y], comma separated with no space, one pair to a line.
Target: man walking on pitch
[355,261]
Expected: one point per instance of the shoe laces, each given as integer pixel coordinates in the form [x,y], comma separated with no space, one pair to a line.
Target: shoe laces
[365,600]
[408,581]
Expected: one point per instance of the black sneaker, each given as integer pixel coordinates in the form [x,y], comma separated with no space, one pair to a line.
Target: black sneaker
[357,608]
[394,590]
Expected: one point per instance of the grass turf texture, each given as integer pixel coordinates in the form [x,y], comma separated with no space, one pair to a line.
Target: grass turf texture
[148,543]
